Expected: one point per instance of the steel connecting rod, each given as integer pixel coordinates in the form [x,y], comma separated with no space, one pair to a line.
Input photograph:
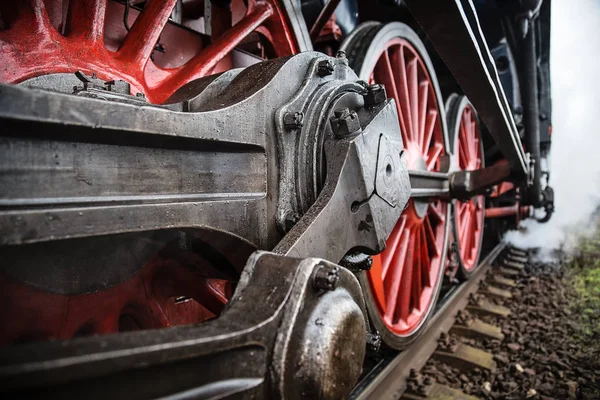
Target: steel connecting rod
[292,322]
[461,185]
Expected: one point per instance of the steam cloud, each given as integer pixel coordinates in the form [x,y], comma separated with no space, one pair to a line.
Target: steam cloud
[575,154]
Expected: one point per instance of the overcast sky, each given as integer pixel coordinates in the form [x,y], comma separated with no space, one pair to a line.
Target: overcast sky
[575,155]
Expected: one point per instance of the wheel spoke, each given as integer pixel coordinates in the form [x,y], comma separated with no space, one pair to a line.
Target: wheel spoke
[404,98]
[394,239]
[404,294]
[429,127]
[423,97]
[416,284]
[413,91]
[86,18]
[145,31]
[107,325]
[465,227]
[433,155]
[430,237]
[392,285]
[203,63]
[436,212]
[426,260]
[472,141]
[384,74]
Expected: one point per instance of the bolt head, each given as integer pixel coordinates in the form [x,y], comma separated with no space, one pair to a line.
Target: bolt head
[325,68]
[375,95]
[326,278]
[293,120]
[345,123]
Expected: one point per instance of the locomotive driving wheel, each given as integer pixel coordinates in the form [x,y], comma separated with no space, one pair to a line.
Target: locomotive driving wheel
[116,41]
[467,216]
[144,283]
[404,282]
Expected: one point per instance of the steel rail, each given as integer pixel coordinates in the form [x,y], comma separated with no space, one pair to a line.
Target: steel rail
[388,379]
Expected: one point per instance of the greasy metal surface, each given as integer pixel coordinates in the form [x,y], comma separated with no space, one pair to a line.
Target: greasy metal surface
[313,344]
[351,197]
[389,379]
[466,357]
[294,325]
[168,169]
[429,184]
[453,28]
[465,184]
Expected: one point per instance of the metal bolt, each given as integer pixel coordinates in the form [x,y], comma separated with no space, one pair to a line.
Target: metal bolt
[341,54]
[142,95]
[373,342]
[293,120]
[109,85]
[375,95]
[326,278]
[345,123]
[325,68]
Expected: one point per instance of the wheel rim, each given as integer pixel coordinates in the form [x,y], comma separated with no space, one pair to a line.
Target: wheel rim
[469,215]
[33,46]
[405,278]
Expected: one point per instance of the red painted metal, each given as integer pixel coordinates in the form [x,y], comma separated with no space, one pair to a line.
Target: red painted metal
[43,37]
[162,293]
[324,16]
[469,214]
[31,45]
[404,276]
[515,210]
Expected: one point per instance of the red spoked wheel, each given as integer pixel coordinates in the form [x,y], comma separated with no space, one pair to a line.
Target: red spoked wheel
[468,216]
[404,281]
[156,47]
[116,42]
[112,290]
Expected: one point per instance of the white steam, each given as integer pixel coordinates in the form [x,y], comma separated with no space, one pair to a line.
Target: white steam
[575,157]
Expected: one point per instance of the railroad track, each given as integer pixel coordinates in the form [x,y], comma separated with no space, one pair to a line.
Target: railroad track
[398,375]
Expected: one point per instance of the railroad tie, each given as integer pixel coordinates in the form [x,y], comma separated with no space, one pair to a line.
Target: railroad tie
[518,252]
[516,258]
[438,392]
[509,272]
[465,357]
[494,291]
[513,265]
[484,307]
[501,281]
[477,329]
